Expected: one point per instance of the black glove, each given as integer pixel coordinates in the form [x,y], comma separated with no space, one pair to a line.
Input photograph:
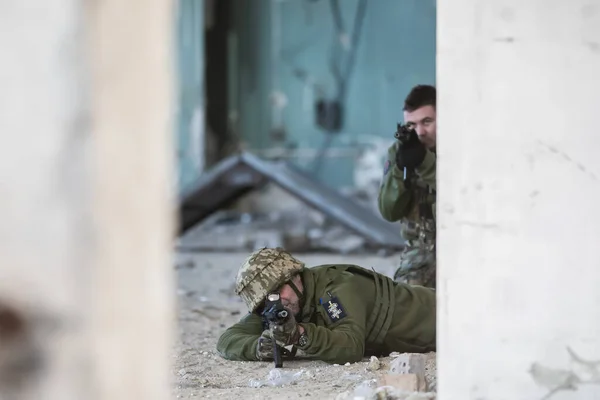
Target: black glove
[411,151]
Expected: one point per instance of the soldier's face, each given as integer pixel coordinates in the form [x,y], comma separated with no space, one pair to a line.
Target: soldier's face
[289,299]
[423,120]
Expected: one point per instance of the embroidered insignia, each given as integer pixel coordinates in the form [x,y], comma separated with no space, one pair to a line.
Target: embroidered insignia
[334,309]
[386,167]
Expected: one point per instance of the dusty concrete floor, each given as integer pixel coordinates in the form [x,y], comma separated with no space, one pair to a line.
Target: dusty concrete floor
[207,305]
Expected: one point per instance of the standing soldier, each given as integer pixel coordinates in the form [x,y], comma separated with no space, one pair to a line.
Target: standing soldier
[408,187]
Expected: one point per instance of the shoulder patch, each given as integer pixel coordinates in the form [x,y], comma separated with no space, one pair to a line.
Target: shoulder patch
[386,167]
[334,309]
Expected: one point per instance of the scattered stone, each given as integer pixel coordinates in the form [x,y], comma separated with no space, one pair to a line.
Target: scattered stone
[352,377]
[431,373]
[182,372]
[374,364]
[394,354]
[340,240]
[336,365]
[406,382]
[343,396]
[408,363]
[347,364]
[310,375]
[203,382]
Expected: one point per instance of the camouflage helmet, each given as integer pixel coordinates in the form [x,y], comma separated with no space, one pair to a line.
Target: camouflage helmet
[263,271]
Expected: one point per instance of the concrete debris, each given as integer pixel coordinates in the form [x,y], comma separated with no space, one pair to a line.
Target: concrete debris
[300,229]
[277,377]
[352,377]
[431,373]
[340,240]
[374,364]
[408,363]
[310,374]
[422,365]
[203,382]
[405,382]
[369,390]
[344,395]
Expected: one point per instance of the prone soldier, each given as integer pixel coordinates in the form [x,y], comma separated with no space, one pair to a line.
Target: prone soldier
[341,312]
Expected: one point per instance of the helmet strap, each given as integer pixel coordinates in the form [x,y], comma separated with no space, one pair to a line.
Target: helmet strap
[298,293]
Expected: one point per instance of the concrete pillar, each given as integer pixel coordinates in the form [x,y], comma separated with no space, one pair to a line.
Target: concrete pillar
[85,199]
[132,59]
[519,199]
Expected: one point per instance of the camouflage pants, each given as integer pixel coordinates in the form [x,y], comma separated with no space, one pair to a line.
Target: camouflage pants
[417,267]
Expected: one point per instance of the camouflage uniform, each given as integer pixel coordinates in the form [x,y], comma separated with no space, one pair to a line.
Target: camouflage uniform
[416,208]
[347,312]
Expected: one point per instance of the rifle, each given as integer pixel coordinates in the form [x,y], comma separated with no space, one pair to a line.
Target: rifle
[403,134]
[275,313]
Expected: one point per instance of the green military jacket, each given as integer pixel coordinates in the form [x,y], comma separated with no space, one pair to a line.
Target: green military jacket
[415,206]
[349,312]
[394,200]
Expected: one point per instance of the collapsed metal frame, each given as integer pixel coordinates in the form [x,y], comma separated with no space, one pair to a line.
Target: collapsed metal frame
[240,174]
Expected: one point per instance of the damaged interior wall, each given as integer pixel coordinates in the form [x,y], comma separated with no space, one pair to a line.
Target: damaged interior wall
[191,138]
[280,63]
[519,174]
[284,59]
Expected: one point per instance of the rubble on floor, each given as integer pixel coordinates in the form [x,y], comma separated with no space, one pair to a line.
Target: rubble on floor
[368,380]
[301,229]
[407,377]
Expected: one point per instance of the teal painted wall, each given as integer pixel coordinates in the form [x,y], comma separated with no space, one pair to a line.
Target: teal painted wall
[190,91]
[273,39]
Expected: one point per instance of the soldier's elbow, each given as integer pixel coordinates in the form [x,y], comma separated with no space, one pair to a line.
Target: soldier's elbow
[386,213]
[224,347]
[390,216]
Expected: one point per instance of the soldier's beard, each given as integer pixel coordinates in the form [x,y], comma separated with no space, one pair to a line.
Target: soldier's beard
[427,142]
[293,306]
